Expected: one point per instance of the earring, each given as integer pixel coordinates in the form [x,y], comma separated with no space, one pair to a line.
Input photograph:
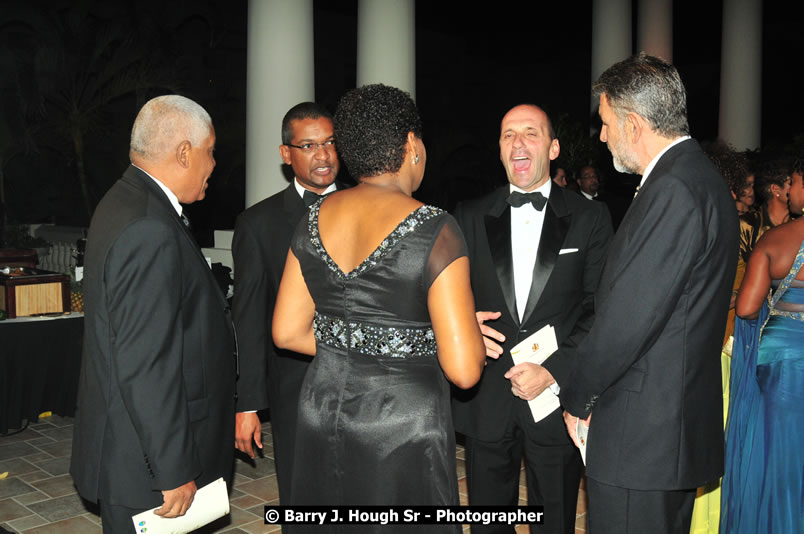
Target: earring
[416,160]
[777,195]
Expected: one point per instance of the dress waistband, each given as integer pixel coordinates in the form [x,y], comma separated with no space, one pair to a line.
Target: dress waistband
[797,315]
[374,340]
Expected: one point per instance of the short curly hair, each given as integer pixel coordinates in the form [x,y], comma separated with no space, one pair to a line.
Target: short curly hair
[733,165]
[371,129]
[774,172]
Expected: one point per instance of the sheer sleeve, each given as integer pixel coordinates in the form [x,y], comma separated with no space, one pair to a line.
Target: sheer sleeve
[448,245]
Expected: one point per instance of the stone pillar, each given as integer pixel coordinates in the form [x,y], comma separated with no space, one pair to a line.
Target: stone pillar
[655,28]
[611,35]
[386,43]
[280,74]
[740,119]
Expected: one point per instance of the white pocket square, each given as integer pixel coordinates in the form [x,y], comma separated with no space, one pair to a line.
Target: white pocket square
[567,251]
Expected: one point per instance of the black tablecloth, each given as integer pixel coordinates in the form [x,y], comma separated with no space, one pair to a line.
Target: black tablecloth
[40,361]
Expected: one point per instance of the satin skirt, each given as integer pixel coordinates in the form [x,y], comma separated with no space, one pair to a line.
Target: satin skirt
[764,454]
[374,431]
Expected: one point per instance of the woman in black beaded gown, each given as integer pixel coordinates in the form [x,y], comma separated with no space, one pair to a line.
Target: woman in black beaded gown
[376,286]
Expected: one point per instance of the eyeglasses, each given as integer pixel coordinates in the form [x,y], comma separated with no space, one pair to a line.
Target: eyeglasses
[313,147]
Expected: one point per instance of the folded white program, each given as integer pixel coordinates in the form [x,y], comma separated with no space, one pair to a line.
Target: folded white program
[210,503]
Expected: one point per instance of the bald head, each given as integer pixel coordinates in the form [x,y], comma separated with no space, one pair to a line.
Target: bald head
[530,109]
[163,123]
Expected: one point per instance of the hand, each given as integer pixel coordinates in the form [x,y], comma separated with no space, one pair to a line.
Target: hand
[493,350]
[247,428]
[177,501]
[572,422]
[528,380]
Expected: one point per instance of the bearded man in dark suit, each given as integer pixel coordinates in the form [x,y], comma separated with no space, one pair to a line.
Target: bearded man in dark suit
[156,401]
[649,370]
[537,251]
[270,376]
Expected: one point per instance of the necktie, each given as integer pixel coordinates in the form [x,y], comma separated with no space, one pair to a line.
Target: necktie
[517,199]
[310,198]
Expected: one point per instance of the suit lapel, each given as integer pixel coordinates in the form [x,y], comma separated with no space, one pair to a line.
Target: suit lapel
[498,233]
[293,204]
[136,174]
[557,219]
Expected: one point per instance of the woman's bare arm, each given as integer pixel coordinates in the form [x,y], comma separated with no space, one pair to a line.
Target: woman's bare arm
[294,311]
[461,351]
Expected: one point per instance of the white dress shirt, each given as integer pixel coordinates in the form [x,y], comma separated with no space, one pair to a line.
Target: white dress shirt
[526,232]
[300,190]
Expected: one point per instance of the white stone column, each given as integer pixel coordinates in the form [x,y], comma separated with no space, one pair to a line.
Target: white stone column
[611,35]
[280,74]
[386,43]
[740,119]
[655,28]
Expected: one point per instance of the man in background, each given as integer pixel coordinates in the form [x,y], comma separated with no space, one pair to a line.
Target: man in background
[589,186]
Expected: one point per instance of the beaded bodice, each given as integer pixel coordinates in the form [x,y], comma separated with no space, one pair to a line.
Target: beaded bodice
[788,298]
[380,307]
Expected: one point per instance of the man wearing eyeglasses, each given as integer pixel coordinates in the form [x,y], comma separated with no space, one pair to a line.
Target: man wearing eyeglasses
[270,377]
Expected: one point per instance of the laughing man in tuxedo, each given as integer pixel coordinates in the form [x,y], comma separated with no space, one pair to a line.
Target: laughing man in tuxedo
[650,371]
[536,252]
[270,376]
[156,401]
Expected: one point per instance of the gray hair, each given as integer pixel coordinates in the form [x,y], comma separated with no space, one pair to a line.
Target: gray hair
[650,87]
[164,122]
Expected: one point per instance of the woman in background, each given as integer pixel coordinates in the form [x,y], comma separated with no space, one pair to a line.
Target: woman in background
[376,286]
[762,486]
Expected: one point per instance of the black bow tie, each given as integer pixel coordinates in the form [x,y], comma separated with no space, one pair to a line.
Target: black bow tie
[310,198]
[517,199]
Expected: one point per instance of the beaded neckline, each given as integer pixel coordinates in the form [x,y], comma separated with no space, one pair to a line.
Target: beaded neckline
[412,221]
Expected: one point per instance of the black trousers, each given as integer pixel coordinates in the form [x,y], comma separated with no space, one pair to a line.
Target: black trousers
[617,510]
[553,469]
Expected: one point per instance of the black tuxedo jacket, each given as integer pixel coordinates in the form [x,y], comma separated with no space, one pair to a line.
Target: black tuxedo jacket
[650,374]
[156,394]
[570,258]
[259,248]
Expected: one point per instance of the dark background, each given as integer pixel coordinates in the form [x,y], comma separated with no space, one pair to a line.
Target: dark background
[74,74]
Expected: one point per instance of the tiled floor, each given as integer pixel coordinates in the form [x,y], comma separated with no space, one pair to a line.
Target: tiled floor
[37,494]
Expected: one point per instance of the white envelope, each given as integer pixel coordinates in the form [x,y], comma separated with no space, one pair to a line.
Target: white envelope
[536,348]
[583,432]
[210,503]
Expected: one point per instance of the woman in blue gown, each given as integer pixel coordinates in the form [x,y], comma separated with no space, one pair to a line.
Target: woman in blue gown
[762,486]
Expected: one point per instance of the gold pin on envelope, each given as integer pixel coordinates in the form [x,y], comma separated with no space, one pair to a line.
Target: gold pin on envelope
[536,348]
